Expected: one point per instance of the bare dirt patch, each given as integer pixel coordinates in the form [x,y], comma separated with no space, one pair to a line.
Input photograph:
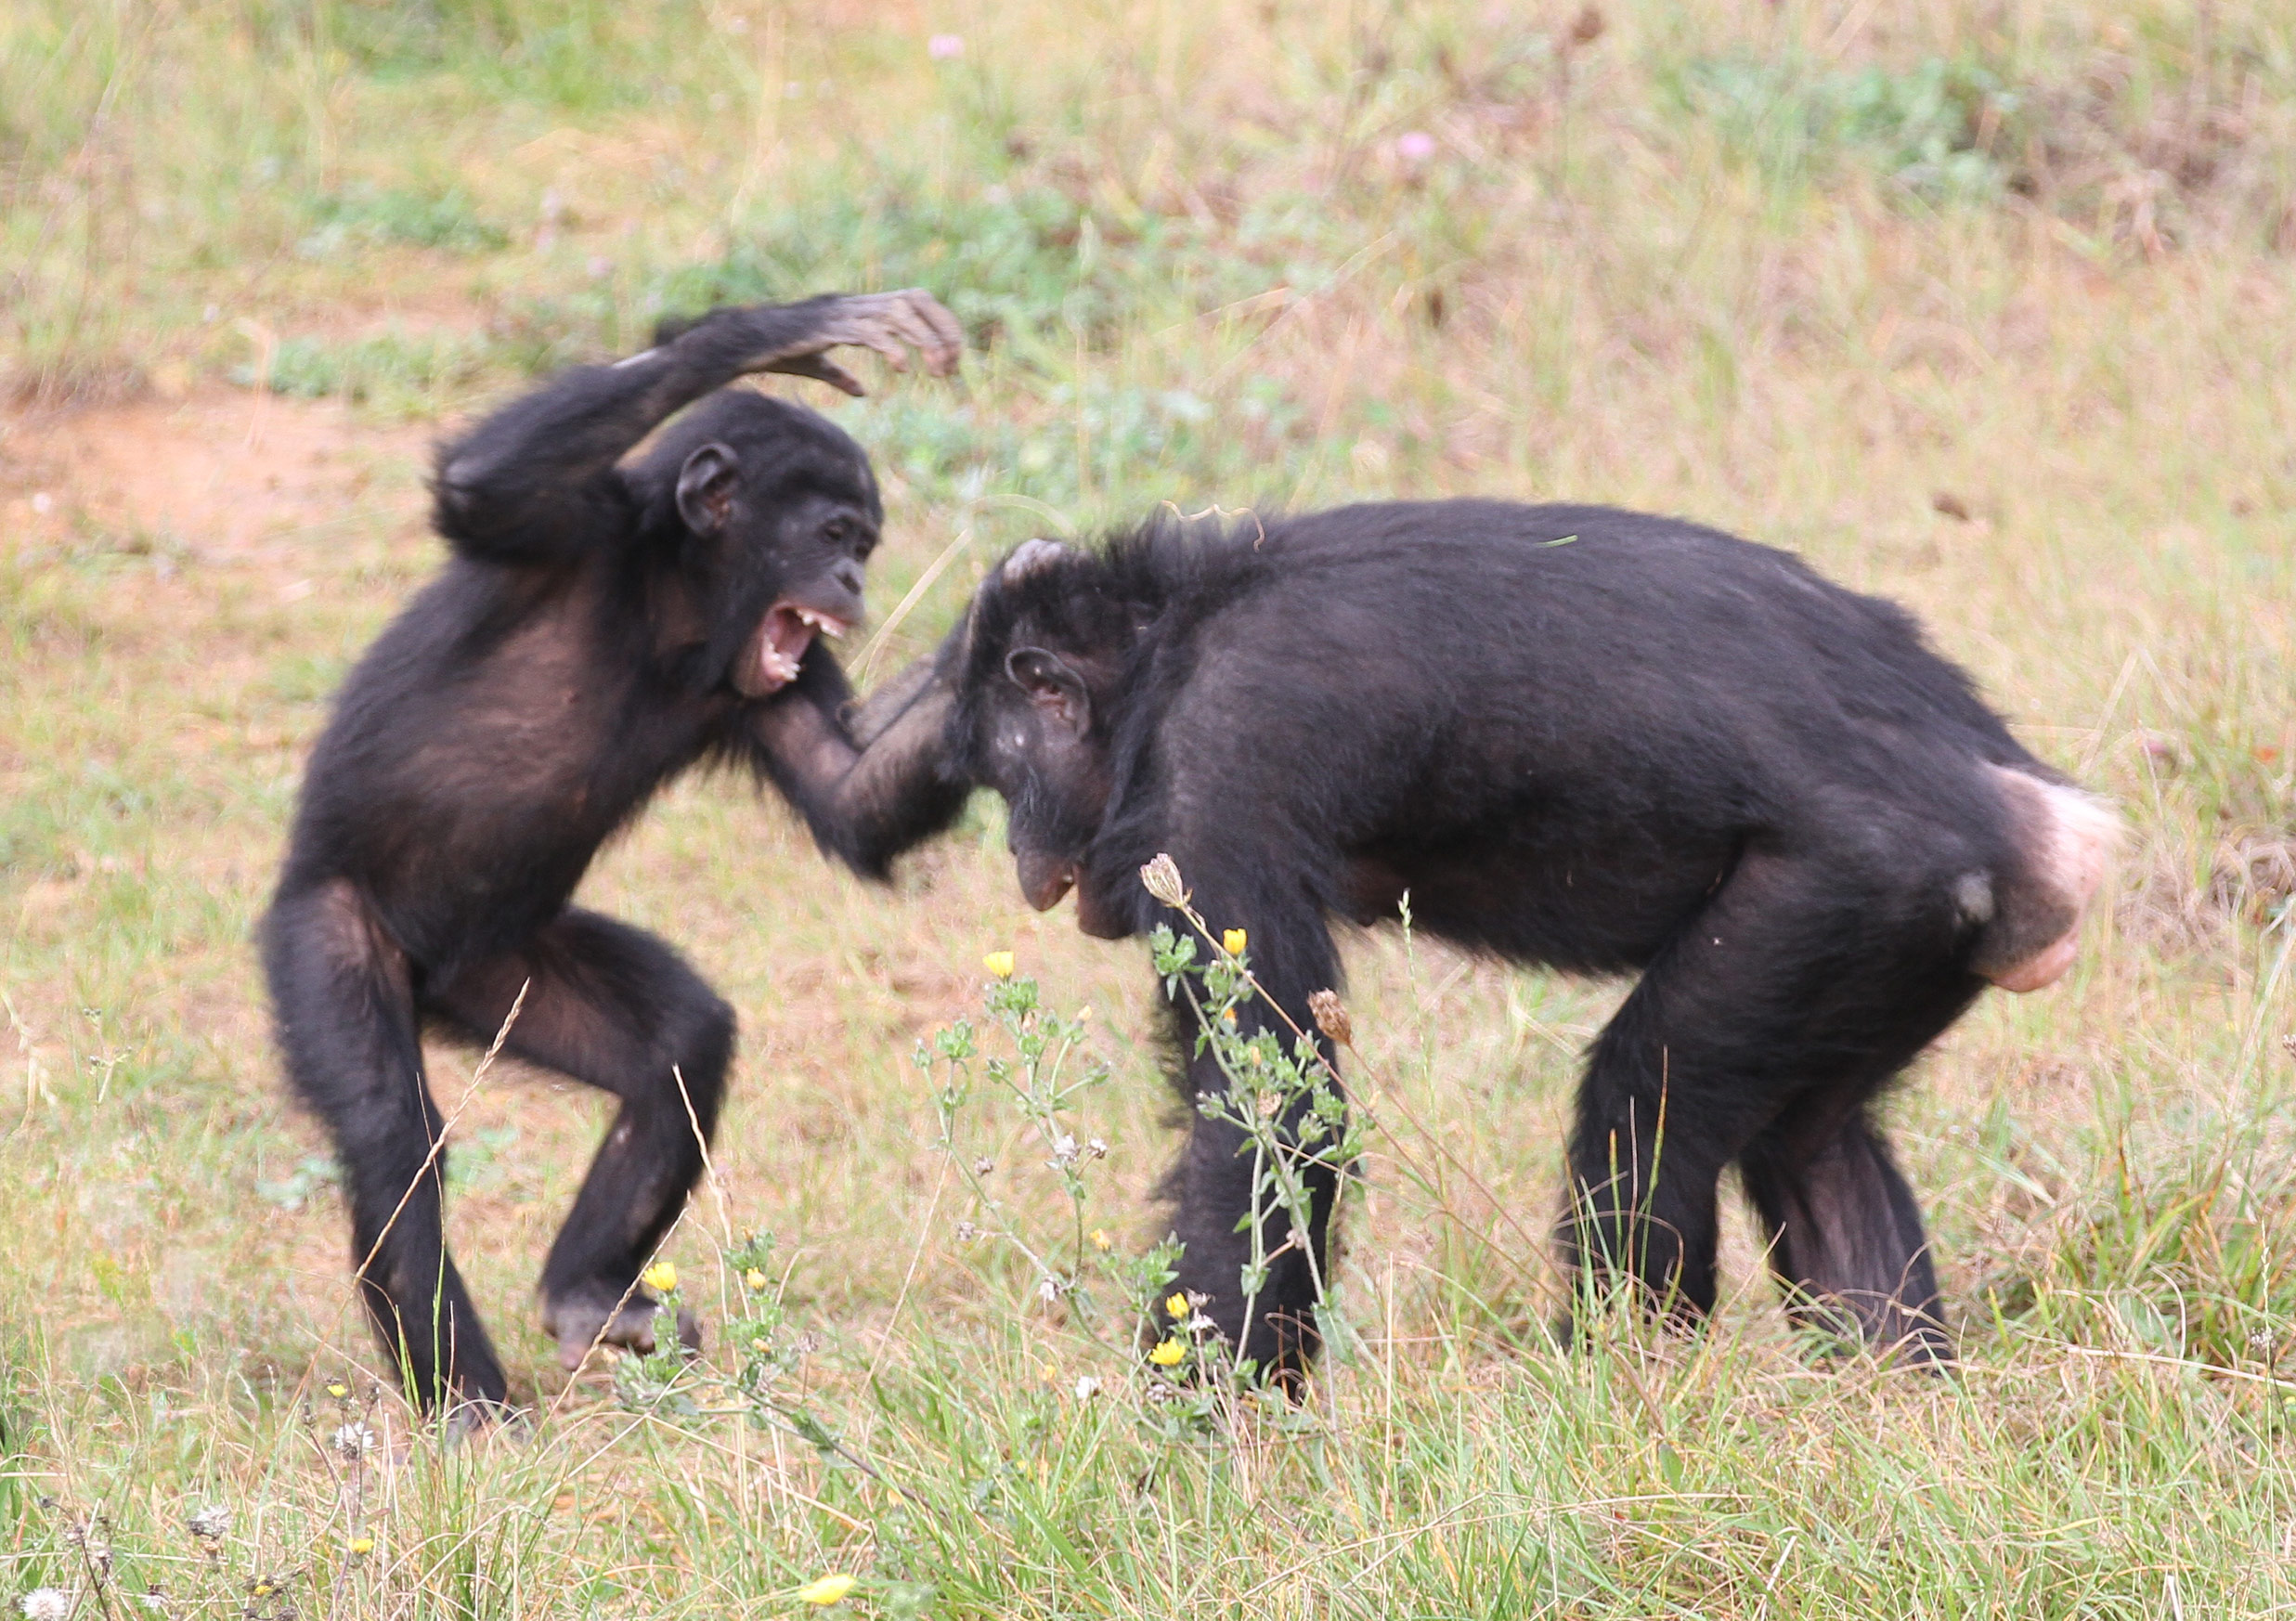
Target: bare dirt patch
[223,474]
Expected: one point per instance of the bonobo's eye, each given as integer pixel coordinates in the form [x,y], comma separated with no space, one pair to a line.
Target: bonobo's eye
[847,533]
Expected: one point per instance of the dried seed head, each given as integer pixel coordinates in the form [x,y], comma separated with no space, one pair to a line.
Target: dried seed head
[1161,878]
[1331,1017]
[209,1524]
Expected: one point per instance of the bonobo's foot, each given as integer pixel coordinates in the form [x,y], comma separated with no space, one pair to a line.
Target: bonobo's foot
[470,1417]
[595,1315]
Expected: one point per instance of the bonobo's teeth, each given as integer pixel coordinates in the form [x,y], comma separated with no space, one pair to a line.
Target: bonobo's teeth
[821,622]
[777,666]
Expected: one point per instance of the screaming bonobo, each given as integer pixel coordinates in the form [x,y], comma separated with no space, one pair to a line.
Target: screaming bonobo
[602,625]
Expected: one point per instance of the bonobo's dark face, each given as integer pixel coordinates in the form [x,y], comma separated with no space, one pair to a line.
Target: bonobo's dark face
[1035,742]
[787,512]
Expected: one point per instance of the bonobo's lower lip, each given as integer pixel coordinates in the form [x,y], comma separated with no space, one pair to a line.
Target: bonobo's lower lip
[1044,878]
[771,660]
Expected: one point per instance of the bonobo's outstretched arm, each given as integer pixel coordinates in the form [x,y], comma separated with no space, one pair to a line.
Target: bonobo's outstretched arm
[537,482]
[870,787]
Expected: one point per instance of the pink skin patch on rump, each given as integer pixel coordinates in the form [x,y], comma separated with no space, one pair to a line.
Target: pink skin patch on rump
[2076,834]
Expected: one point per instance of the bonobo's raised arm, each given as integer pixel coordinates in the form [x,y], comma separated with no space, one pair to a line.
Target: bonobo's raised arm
[536,481]
[874,786]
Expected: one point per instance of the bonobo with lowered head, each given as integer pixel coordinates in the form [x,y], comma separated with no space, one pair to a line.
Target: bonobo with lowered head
[602,625]
[1592,739]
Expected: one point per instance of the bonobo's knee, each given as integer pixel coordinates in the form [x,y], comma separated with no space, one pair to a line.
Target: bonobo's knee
[702,1040]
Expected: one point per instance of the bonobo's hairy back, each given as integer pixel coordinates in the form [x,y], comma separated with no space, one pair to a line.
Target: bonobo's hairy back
[1635,655]
[1606,706]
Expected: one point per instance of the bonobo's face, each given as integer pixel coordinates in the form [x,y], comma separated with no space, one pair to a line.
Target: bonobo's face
[789,512]
[822,543]
[1035,742]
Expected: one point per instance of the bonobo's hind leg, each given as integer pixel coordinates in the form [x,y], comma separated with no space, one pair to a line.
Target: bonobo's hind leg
[1805,984]
[614,1008]
[347,1025]
[1846,1237]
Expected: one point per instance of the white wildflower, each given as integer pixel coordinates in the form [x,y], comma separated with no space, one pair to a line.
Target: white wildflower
[1160,878]
[45,1604]
[354,1441]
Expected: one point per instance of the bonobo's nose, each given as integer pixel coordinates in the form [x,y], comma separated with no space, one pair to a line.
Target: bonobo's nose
[848,574]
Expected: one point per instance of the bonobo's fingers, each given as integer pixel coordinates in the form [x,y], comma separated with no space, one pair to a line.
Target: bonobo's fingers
[886,321]
[824,370]
[930,329]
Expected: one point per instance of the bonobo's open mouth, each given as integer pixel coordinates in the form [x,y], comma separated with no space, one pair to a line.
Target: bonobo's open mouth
[769,662]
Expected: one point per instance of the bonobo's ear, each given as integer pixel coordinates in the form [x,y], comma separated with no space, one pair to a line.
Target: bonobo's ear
[1052,685]
[706,485]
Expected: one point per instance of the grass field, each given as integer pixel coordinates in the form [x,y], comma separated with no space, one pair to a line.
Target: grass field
[1988,304]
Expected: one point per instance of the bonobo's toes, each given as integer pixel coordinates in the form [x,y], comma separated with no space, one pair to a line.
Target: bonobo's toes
[584,1319]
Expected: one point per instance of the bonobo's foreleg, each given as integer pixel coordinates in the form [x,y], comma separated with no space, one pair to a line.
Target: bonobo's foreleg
[346,1026]
[1760,1030]
[614,1008]
[1215,1185]
[535,481]
[872,781]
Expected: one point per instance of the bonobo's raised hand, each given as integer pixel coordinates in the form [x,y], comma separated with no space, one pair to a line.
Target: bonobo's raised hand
[796,338]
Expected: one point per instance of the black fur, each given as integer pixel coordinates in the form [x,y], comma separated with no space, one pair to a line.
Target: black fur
[1576,736]
[595,634]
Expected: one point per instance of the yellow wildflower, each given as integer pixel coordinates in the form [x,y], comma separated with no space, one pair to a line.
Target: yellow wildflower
[338,1390]
[754,1278]
[1168,1354]
[1228,1014]
[1232,942]
[827,1591]
[362,1545]
[662,1277]
[999,964]
[1100,1239]
[759,1343]
[1176,1306]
